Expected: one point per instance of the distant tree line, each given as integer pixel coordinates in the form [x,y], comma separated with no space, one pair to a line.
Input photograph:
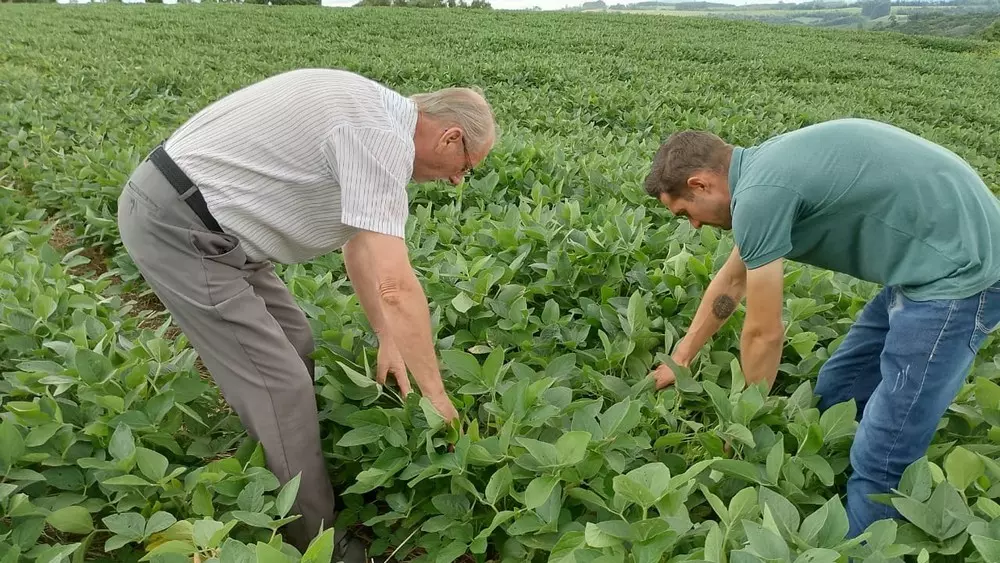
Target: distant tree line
[876,8]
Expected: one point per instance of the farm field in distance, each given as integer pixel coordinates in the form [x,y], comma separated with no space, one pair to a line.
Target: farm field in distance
[977,19]
[555,285]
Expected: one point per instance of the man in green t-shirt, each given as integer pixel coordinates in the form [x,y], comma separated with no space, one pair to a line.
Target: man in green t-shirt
[878,203]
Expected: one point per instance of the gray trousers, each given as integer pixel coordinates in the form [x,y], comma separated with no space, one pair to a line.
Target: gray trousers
[245,326]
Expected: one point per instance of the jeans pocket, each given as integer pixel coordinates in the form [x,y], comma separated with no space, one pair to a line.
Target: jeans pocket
[987,317]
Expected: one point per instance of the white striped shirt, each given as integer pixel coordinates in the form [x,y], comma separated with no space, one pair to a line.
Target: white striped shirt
[296,164]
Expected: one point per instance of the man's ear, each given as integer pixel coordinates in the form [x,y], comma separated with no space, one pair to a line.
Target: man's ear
[451,135]
[697,183]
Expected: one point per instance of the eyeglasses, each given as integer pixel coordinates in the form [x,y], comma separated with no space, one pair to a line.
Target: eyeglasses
[468,161]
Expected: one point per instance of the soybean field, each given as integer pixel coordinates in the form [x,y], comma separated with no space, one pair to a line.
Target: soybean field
[555,284]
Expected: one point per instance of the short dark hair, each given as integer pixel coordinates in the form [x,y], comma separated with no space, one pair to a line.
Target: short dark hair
[685,153]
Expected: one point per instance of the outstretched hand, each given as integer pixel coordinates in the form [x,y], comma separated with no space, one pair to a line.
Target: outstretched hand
[664,376]
[391,361]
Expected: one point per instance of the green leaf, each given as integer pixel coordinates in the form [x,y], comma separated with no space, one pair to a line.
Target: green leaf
[820,467]
[644,485]
[180,547]
[987,393]
[818,555]
[619,418]
[11,443]
[596,537]
[715,548]
[236,552]
[882,534]
[462,364]
[739,468]
[152,464]
[367,434]
[719,400]
[813,440]
[916,481]
[838,421]
[320,549]
[492,367]
[827,525]
[453,506]
[39,435]
[122,444]
[126,481]
[201,501]
[921,515]
[784,512]
[743,503]
[741,434]
[571,447]
[451,552]
[203,531]
[91,366]
[433,417]
[287,495]
[989,507]
[71,520]
[539,490]
[963,467]
[567,546]
[544,453]
[255,519]
[804,343]
[717,505]
[499,484]
[462,302]
[158,522]
[765,543]
[129,525]
[56,553]
[44,307]
[989,548]
[775,459]
[268,554]
[251,498]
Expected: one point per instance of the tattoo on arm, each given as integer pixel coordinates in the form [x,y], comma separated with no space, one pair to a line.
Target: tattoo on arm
[723,306]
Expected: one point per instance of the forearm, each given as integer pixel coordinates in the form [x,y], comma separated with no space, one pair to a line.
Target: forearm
[366,288]
[404,310]
[760,355]
[721,298]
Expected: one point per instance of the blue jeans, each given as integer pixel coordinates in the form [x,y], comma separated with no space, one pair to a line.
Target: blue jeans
[903,362]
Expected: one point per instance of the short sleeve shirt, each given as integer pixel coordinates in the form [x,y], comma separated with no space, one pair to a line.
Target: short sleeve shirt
[296,164]
[869,200]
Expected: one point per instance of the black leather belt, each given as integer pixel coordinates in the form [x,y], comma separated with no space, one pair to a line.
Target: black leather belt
[180,181]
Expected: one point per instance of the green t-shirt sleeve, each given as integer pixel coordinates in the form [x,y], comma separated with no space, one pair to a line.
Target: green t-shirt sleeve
[762,223]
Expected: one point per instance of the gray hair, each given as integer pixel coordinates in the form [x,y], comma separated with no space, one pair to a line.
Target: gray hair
[463,107]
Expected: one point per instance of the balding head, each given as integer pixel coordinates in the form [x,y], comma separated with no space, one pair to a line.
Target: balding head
[466,108]
[456,129]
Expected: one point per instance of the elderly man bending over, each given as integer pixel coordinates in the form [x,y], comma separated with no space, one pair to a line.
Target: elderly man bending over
[292,167]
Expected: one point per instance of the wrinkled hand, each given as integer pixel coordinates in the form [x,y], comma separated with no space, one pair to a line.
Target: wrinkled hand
[444,408]
[664,376]
[391,361]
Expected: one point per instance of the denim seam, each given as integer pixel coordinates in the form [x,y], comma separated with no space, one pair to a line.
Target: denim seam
[913,401]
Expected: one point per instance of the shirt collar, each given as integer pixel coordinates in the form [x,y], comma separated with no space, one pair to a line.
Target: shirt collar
[734,168]
[735,164]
